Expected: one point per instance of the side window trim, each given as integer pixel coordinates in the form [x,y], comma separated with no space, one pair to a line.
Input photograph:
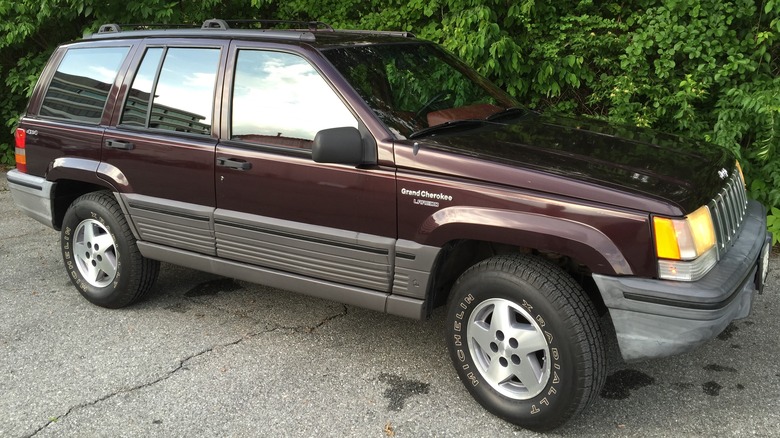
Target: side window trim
[267,148]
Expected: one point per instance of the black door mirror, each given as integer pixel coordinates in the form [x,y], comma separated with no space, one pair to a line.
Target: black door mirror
[338,145]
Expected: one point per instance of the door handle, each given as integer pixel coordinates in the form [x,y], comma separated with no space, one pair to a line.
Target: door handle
[118,144]
[233,163]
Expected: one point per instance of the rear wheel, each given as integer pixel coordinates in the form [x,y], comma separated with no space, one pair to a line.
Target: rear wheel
[100,253]
[525,341]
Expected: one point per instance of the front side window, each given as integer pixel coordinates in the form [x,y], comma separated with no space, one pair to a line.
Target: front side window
[413,86]
[280,99]
[79,88]
[181,81]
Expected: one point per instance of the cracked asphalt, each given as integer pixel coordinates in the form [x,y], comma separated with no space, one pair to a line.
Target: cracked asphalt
[211,356]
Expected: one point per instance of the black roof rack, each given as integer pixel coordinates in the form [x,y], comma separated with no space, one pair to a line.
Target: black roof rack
[304,31]
[311,26]
[113,27]
[396,33]
[219,24]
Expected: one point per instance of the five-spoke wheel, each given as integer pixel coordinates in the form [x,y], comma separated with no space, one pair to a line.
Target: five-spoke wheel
[525,340]
[100,253]
[95,252]
[509,348]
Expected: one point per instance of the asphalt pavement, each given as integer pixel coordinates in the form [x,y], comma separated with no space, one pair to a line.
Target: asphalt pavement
[210,356]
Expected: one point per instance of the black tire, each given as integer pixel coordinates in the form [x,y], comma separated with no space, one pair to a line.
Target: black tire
[551,330]
[100,253]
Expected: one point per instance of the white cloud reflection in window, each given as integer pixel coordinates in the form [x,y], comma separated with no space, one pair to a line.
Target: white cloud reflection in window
[282,95]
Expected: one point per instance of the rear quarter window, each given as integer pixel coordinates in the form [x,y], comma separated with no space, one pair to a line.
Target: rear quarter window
[79,88]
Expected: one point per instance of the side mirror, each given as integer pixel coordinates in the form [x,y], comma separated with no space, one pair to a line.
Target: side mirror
[338,145]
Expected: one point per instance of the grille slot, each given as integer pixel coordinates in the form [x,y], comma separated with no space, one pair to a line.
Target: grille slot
[728,210]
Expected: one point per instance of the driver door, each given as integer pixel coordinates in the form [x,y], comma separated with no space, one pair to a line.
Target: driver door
[276,207]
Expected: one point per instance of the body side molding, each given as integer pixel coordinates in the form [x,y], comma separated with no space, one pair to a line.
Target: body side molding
[350,295]
[172,223]
[336,255]
[413,268]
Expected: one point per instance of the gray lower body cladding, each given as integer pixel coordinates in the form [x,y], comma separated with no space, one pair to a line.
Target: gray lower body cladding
[33,195]
[369,299]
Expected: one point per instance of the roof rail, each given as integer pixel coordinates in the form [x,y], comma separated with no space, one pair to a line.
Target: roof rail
[219,24]
[303,30]
[311,26]
[396,33]
[113,27]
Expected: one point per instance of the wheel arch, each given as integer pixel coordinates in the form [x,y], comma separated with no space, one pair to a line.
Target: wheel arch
[579,249]
[74,177]
[577,240]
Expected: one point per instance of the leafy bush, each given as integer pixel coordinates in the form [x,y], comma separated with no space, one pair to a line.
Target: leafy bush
[706,69]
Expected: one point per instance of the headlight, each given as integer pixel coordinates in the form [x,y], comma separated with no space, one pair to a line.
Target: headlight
[685,247]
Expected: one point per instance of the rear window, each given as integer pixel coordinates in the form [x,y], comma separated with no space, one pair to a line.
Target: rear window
[79,89]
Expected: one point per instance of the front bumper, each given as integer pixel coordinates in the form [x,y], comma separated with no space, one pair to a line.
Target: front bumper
[656,318]
[33,195]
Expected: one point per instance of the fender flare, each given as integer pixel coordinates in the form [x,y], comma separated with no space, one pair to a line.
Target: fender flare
[577,240]
[88,171]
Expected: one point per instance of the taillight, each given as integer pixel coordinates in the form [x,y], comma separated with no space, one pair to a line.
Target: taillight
[20,154]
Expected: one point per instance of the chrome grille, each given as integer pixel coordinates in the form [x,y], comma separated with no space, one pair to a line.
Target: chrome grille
[728,210]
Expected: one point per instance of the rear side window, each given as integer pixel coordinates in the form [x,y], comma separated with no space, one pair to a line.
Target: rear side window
[181,81]
[79,88]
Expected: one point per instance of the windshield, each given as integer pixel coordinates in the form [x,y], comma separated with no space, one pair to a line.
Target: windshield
[414,86]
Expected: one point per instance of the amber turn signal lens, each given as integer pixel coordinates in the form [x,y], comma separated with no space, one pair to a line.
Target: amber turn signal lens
[666,246]
[684,239]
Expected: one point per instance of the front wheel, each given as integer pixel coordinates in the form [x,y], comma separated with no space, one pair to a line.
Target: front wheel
[100,253]
[525,341]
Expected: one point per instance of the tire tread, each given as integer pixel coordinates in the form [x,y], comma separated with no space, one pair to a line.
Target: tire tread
[145,271]
[576,309]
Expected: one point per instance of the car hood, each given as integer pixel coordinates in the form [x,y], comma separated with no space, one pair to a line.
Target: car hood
[638,161]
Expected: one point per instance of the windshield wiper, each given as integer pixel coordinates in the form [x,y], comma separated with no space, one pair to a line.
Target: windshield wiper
[511,111]
[465,123]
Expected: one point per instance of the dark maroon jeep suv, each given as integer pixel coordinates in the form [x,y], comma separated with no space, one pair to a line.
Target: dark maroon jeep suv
[376,169]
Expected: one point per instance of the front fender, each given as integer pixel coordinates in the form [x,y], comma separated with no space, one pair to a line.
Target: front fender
[580,241]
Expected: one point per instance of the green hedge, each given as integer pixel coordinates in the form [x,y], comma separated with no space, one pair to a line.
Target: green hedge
[706,69]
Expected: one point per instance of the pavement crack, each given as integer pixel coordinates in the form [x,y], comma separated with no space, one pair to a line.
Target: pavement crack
[183,362]
[275,327]
[311,328]
[237,314]
[343,313]
[181,366]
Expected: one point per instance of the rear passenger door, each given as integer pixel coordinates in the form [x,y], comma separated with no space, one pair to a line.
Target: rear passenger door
[162,141]
[276,207]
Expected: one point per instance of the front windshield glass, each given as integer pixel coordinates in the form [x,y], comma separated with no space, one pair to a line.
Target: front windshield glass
[413,86]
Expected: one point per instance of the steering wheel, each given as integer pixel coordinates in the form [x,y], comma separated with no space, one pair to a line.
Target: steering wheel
[438,97]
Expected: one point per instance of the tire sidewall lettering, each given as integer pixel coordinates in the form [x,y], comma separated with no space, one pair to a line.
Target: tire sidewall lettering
[81,213]
[555,396]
